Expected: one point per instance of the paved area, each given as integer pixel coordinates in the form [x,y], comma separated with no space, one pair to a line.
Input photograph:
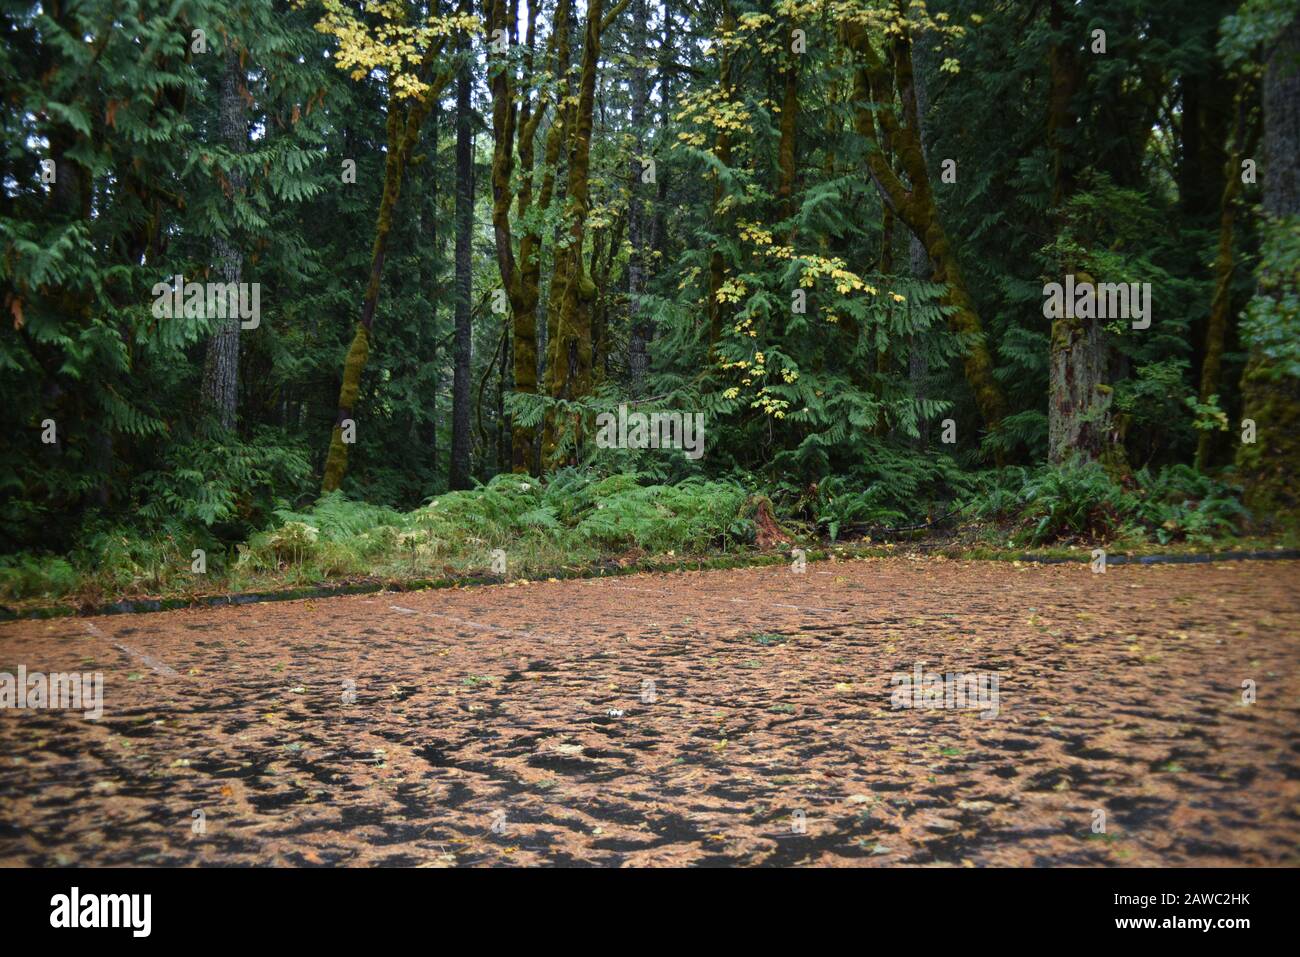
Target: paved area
[741,717]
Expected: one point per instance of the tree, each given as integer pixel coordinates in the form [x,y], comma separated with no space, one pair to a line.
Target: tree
[460,401]
[570,343]
[875,90]
[1270,384]
[221,369]
[412,92]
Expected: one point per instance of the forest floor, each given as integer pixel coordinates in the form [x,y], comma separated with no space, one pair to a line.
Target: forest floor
[739,716]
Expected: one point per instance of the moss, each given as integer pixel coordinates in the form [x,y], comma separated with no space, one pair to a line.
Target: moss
[358,353]
[1269,466]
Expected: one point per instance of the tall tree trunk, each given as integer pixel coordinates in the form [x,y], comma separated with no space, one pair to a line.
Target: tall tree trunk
[722,150]
[1270,397]
[220,389]
[569,360]
[918,362]
[514,126]
[789,123]
[640,329]
[403,130]
[1079,397]
[659,236]
[915,206]
[461,385]
[1216,332]
[1064,79]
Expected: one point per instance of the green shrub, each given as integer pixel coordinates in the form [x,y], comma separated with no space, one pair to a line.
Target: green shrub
[30,576]
[1054,503]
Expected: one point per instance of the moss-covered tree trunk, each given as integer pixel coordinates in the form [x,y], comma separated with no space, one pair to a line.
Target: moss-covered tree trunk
[1216,331]
[1079,398]
[1079,427]
[1271,397]
[403,131]
[569,350]
[515,120]
[915,206]
[1063,83]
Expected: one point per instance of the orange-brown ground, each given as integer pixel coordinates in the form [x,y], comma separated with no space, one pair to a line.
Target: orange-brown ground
[515,724]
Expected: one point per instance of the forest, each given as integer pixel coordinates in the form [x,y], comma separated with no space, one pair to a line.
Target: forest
[315,290]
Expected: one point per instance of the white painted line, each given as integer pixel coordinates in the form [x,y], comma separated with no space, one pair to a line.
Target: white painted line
[140,656]
[152,662]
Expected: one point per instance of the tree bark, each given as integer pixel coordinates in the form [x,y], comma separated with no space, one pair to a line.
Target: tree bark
[916,206]
[220,388]
[1078,410]
[403,132]
[569,359]
[1064,79]
[640,330]
[515,120]
[1216,332]
[1271,398]
[459,477]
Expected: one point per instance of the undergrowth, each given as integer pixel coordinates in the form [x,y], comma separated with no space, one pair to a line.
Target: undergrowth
[1084,503]
[578,517]
[574,518]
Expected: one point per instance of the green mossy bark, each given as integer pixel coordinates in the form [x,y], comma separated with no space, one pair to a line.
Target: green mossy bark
[1269,467]
[569,351]
[1271,464]
[336,462]
[916,207]
[1216,331]
[403,129]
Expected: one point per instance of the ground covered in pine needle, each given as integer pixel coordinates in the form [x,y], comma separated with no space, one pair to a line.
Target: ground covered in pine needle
[733,717]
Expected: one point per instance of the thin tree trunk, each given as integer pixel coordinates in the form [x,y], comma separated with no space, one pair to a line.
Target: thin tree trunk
[403,132]
[640,330]
[461,385]
[659,240]
[789,127]
[220,388]
[722,150]
[916,206]
[918,363]
[1216,332]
